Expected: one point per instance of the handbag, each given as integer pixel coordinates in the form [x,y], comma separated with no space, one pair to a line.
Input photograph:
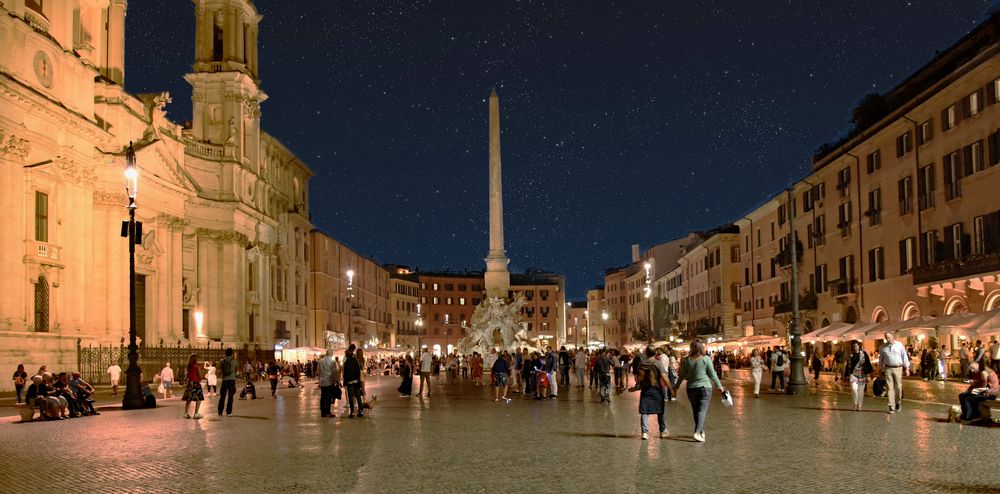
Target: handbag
[727,399]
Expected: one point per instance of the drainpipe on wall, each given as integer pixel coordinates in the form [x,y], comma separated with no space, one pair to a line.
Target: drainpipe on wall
[861,248]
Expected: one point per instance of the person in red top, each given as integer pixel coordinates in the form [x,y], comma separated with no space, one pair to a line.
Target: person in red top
[193,391]
[985,386]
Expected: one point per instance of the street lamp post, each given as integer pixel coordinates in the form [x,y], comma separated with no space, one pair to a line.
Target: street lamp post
[420,326]
[646,292]
[604,316]
[797,382]
[350,305]
[133,230]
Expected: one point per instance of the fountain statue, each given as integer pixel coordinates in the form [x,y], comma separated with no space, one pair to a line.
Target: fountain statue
[493,315]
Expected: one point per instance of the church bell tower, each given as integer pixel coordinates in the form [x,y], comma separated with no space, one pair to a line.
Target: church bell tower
[226,94]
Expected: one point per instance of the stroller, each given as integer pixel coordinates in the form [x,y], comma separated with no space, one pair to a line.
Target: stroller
[248,389]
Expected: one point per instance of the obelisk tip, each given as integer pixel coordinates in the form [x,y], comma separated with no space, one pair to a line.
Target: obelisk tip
[493,93]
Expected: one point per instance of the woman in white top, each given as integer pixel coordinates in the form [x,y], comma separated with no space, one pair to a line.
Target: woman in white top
[756,371]
[212,378]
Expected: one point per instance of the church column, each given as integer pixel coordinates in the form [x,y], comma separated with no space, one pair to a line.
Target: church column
[115,69]
[240,38]
[253,51]
[228,32]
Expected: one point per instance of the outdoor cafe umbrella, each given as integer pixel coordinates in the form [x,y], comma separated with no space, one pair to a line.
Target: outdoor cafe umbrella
[831,328]
[973,325]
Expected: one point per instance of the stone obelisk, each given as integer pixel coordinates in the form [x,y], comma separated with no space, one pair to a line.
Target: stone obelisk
[497,277]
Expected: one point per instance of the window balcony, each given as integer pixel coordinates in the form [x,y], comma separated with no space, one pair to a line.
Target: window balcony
[843,288]
[957,268]
[807,301]
[42,252]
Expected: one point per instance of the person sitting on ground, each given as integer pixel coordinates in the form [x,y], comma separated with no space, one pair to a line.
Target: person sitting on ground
[985,386]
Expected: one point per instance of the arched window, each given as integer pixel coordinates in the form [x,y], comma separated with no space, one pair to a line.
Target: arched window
[879,314]
[910,311]
[42,305]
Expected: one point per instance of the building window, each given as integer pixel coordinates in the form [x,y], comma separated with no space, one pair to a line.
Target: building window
[955,242]
[905,195]
[972,104]
[35,5]
[874,161]
[186,323]
[949,117]
[993,91]
[41,216]
[448,287]
[821,278]
[461,300]
[876,267]
[42,305]
[544,294]
[435,301]
[979,235]
[461,287]
[434,287]
[874,207]
[844,181]
[904,143]
[845,215]
[952,176]
[929,247]
[925,132]
[925,187]
[973,158]
[448,301]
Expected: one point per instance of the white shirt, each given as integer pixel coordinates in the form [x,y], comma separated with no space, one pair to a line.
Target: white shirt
[894,355]
[425,362]
[581,360]
[115,371]
[167,374]
[774,362]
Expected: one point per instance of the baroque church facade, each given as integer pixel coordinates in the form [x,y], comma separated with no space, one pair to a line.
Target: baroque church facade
[224,205]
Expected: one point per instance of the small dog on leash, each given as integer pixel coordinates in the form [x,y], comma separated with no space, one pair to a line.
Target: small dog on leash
[954,413]
[368,406]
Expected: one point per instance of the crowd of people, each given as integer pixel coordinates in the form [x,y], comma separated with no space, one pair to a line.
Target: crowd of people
[656,373]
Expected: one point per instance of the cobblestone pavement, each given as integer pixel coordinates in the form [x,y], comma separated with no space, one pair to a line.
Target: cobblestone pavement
[459,440]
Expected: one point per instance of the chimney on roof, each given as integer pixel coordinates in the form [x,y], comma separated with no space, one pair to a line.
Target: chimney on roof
[635,253]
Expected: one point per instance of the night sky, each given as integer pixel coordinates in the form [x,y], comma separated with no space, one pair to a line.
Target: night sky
[623,122]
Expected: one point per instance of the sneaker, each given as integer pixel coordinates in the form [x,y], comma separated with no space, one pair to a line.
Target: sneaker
[673,399]
[892,410]
[187,415]
[664,434]
[699,436]
[229,415]
[898,407]
[197,415]
[645,436]
[755,395]
[360,415]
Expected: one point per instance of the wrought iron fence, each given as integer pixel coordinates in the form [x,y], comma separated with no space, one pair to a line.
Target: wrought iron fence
[93,361]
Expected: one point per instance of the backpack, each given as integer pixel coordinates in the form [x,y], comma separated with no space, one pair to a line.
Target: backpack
[781,359]
[227,366]
[649,376]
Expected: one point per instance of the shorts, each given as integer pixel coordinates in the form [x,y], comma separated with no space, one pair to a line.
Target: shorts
[114,382]
[500,379]
[167,384]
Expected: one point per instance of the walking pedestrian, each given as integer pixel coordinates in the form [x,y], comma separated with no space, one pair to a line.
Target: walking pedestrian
[406,374]
[229,368]
[995,355]
[167,379]
[426,361]
[500,372]
[817,366]
[859,366]
[273,373]
[20,379]
[756,371]
[211,378]
[551,371]
[564,364]
[603,367]
[327,380]
[651,379]
[979,355]
[963,360]
[778,368]
[895,364]
[193,392]
[673,367]
[352,380]
[580,364]
[114,373]
[519,358]
[943,357]
[839,361]
[698,371]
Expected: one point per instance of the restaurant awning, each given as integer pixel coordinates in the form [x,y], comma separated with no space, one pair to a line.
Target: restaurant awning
[816,335]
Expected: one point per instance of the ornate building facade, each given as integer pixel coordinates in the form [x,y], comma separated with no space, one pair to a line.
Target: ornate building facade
[224,205]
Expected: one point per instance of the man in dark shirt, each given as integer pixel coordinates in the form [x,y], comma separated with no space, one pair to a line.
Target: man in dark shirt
[603,367]
[564,366]
[352,380]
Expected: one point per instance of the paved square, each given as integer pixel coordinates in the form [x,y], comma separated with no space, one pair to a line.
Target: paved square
[459,440]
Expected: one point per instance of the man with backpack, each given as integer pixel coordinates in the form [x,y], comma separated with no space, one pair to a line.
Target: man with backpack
[778,368]
[228,367]
[651,379]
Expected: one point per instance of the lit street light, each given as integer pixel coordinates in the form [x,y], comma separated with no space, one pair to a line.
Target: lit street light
[604,316]
[350,304]
[133,230]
